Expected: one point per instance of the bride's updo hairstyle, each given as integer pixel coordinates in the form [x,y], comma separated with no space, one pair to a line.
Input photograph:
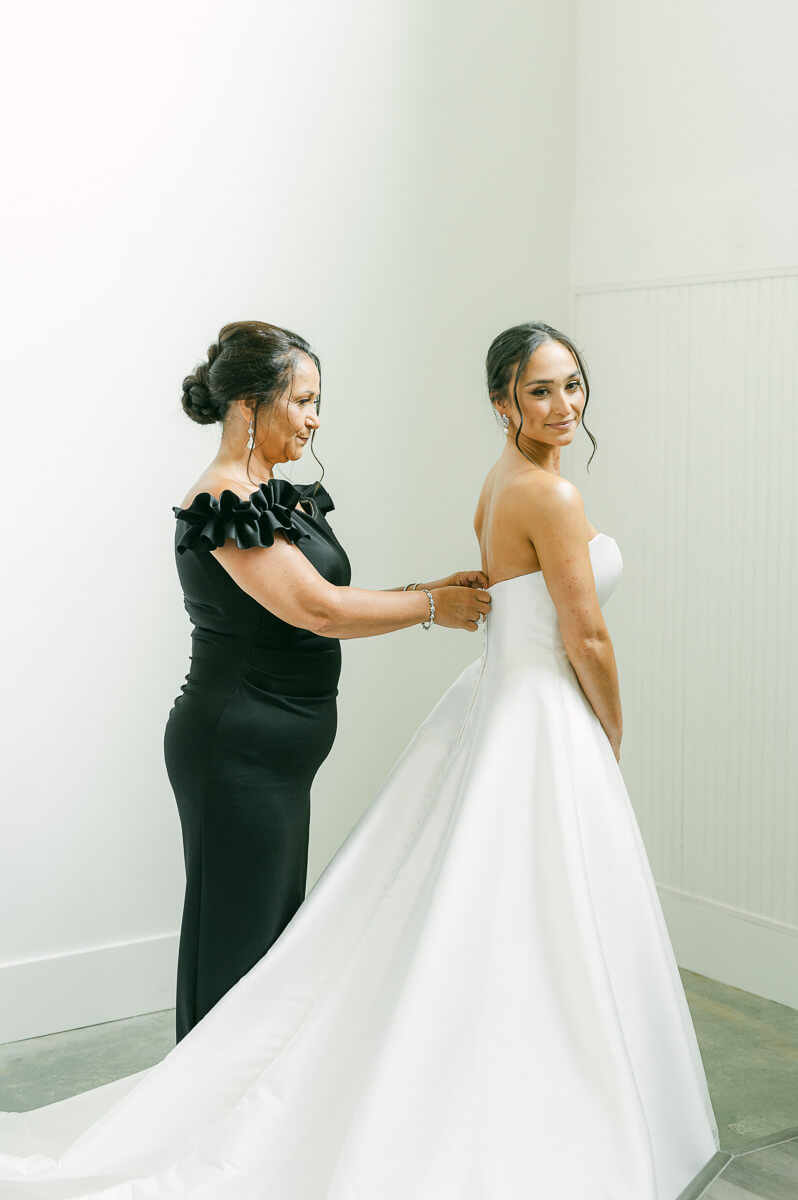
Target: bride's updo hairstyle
[248,359]
[507,359]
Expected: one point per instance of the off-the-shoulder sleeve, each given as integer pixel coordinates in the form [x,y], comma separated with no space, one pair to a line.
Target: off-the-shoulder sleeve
[210,520]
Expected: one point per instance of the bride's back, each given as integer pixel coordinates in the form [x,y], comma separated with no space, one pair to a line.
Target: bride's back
[499,522]
[502,518]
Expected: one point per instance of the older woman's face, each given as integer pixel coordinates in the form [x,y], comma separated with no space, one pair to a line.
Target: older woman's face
[293,417]
[550,395]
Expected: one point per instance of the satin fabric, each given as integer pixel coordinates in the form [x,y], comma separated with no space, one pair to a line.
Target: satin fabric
[478,999]
[255,719]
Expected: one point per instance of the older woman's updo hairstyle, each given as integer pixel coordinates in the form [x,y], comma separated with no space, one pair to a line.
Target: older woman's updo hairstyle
[248,359]
[508,356]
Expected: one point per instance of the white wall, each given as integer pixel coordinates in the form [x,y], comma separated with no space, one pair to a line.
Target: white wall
[685,298]
[366,172]
[686,117]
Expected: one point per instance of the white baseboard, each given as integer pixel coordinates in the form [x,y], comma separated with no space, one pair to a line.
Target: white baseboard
[735,947]
[87,987]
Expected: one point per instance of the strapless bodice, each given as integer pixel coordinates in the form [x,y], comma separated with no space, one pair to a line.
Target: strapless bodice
[522,613]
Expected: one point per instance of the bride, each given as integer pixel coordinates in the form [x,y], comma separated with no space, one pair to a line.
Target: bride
[478,999]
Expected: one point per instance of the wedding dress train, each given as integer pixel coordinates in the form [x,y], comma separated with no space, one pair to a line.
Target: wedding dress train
[478,999]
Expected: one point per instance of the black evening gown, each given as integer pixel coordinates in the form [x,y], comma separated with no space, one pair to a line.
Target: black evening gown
[255,720]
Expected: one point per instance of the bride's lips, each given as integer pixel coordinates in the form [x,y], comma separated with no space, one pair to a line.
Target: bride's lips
[564,425]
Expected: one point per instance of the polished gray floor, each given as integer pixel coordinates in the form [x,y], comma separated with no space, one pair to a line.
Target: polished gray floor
[750,1052]
[43,1069]
[749,1047]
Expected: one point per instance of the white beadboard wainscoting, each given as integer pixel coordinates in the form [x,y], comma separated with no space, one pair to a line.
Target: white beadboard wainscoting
[694,410]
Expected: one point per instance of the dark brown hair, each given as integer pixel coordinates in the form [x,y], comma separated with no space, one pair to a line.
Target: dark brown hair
[248,359]
[511,351]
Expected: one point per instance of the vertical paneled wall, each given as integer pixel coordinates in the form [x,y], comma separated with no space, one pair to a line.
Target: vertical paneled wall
[694,408]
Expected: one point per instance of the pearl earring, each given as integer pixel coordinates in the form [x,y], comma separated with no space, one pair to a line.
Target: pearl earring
[251,439]
[505,422]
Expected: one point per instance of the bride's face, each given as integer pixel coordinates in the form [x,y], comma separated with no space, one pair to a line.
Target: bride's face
[550,395]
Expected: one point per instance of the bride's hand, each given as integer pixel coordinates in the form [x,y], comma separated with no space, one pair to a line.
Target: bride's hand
[460,607]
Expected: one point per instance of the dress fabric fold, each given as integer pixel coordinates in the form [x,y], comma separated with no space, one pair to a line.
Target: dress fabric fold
[478,999]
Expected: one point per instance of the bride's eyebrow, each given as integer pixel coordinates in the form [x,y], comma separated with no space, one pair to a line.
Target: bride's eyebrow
[535,382]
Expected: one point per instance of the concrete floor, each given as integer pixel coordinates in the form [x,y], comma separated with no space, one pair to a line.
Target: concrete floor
[750,1052]
[749,1047]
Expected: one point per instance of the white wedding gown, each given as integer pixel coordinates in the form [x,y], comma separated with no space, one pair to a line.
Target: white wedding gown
[478,999]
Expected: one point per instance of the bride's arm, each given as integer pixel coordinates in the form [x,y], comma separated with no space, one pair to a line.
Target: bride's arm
[559,533]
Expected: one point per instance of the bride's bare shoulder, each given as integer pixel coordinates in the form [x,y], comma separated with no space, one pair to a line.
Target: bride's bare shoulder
[539,503]
[540,489]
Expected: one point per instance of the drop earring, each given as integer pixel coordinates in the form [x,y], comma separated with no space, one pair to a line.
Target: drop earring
[251,438]
[505,420]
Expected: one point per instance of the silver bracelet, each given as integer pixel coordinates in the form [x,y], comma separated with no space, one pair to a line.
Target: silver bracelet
[427,624]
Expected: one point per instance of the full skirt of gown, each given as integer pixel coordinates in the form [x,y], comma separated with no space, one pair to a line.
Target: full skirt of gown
[478,999]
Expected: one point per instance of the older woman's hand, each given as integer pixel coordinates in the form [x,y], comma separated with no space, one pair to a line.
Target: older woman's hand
[469,579]
[460,607]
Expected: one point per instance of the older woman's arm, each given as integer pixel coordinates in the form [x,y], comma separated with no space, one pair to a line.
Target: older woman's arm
[472,579]
[282,579]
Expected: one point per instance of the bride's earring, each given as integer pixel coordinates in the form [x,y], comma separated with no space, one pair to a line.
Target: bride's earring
[505,420]
[251,438]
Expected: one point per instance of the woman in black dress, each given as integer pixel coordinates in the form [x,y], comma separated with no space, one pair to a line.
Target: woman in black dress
[266,585]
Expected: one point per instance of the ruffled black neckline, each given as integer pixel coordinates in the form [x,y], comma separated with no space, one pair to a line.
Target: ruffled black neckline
[272,507]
